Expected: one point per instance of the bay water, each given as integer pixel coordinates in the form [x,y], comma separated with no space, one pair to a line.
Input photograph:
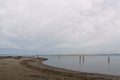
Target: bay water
[93,64]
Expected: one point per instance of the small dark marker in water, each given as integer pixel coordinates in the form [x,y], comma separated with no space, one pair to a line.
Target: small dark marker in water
[83,59]
[58,56]
[79,59]
[108,59]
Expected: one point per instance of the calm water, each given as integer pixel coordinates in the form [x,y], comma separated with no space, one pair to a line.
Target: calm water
[94,64]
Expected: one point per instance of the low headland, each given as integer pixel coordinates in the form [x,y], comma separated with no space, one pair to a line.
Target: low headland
[31,68]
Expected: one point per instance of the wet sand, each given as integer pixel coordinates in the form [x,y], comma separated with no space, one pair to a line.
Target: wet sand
[33,69]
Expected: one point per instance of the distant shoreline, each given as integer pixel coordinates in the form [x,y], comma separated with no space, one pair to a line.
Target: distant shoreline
[82,55]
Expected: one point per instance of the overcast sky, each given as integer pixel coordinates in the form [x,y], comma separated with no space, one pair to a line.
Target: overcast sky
[60,26]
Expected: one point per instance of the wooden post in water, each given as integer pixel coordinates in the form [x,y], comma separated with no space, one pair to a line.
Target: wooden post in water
[58,56]
[79,59]
[83,59]
[37,56]
[108,59]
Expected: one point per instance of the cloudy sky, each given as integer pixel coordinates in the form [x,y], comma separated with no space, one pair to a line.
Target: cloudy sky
[60,26]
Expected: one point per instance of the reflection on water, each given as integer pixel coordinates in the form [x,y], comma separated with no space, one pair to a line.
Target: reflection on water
[95,64]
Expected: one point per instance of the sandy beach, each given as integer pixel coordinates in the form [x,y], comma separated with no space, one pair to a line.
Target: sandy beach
[28,68]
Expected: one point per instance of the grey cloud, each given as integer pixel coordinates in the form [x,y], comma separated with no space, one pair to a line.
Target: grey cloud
[59,25]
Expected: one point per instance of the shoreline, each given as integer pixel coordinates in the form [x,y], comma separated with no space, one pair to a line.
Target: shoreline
[76,70]
[69,73]
[28,68]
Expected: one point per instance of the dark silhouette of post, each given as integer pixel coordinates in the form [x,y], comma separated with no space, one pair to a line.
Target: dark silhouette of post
[108,63]
[79,59]
[83,59]
[108,59]
[37,56]
[58,56]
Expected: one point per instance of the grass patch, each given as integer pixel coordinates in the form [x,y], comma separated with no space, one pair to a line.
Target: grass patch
[18,57]
[14,57]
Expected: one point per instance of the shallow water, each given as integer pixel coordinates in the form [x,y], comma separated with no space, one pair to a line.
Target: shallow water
[93,64]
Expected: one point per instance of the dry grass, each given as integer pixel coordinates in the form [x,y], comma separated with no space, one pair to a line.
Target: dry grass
[14,57]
